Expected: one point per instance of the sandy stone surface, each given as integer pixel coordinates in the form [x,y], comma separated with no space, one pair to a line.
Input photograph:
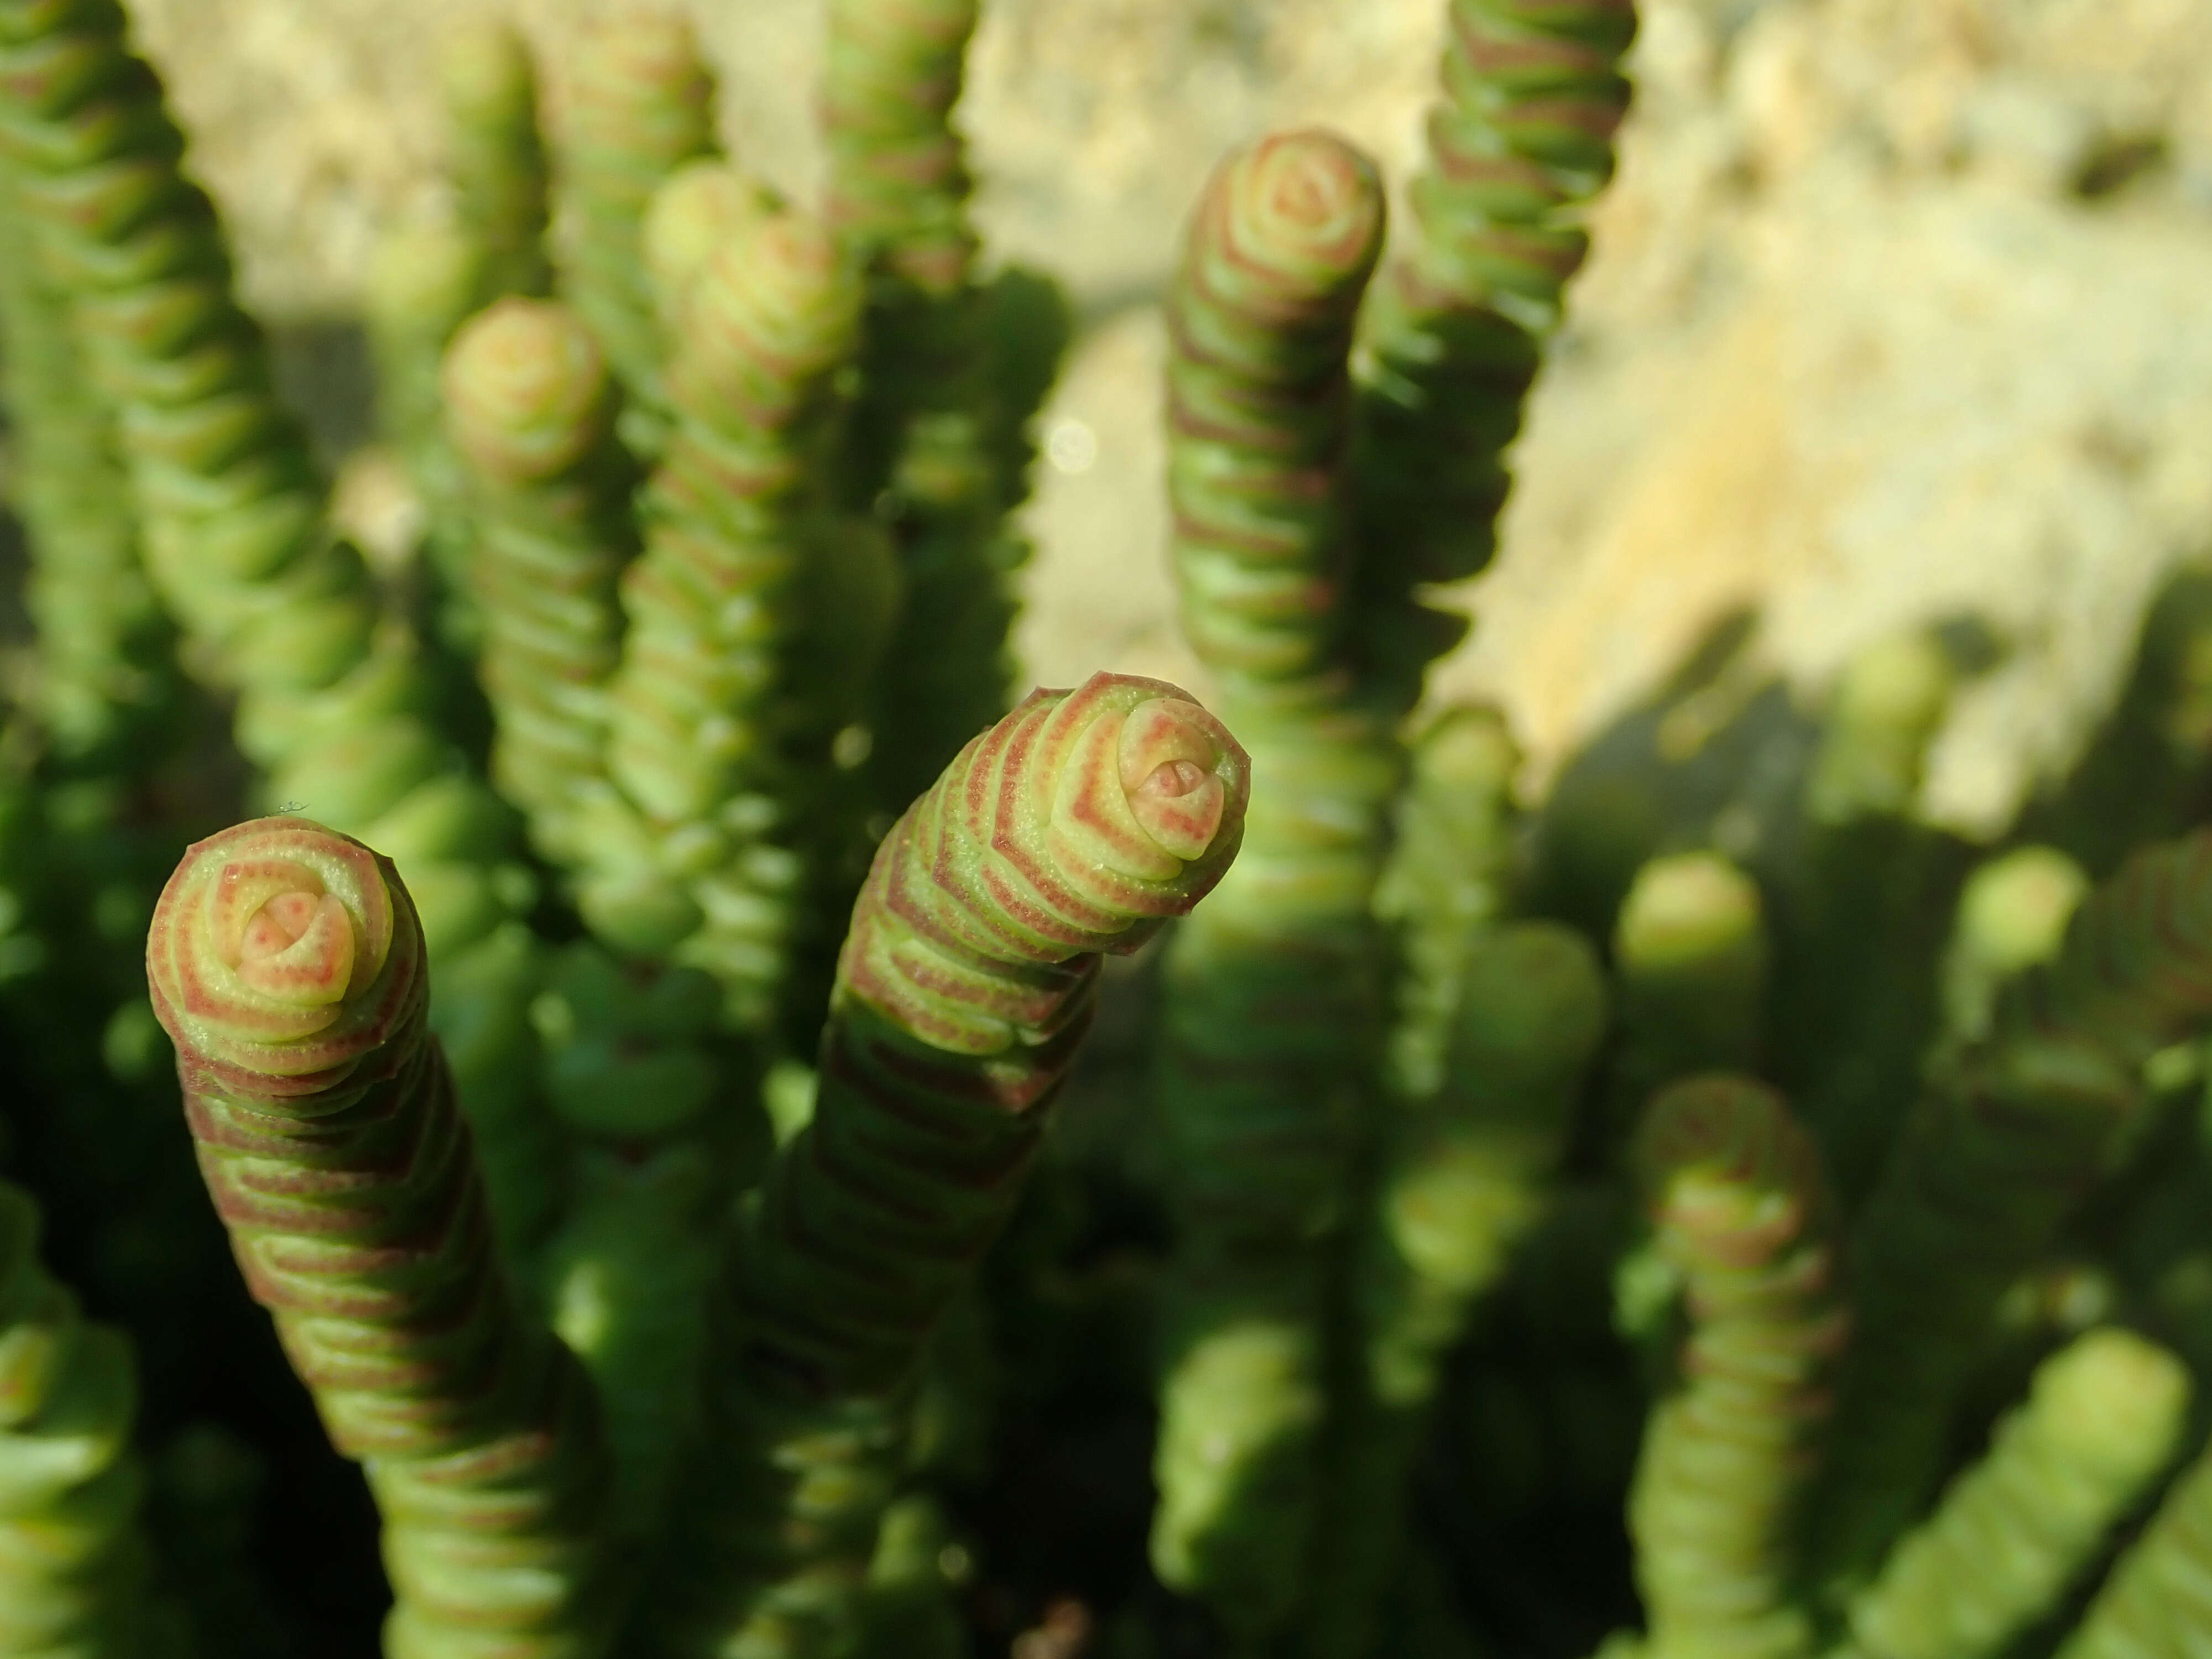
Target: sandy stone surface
[1899,308]
[1881,328]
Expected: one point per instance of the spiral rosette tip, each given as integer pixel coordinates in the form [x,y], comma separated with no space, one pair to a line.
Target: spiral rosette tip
[772,309]
[1076,826]
[1185,782]
[485,75]
[698,208]
[281,955]
[527,389]
[1301,220]
[1721,1158]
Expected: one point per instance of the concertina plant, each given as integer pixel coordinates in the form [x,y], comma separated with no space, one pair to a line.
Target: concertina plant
[637,1057]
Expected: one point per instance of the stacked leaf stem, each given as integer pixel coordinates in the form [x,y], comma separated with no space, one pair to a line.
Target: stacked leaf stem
[2013,1133]
[529,405]
[638,104]
[1274,1008]
[949,378]
[495,153]
[1078,825]
[1737,1202]
[1691,951]
[1522,139]
[107,682]
[75,1573]
[2102,1421]
[1466,1172]
[651,1099]
[431,272]
[288,965]
[751,613]
[335,703]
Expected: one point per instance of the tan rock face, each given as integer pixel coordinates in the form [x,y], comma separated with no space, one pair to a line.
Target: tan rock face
[1895,315]
[1898,310]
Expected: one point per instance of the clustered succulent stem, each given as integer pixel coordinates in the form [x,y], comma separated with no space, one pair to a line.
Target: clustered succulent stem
[108,683]
[639,104]
[1078,825]
[1691,951]
[2012,1133]
[430,273]
[530,408]
[75,1571]
[1452,852]
[1737,1202]
[2154,1601]
[288,965]
[953,367]
[1465,1172]
[653,1340]
[753,616]
[1523,138]
[2103,1419]
[1273,1020]
[494,154]
[335,702]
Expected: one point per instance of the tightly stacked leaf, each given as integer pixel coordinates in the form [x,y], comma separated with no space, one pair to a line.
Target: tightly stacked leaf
[530,406]
[949,383]
[107,681]
[751,617]
[2102,1419]
[2016,1130]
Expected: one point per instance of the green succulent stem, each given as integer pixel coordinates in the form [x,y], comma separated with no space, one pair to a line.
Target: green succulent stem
[1860,905]
[2152,1606]
[1736,1200]
[1465,1174]
[1691,951]
[2103,1419]
[2012,916]
[657,1102]
[1078,825]
[426,276]
[1450,858]
[640,103]
[107,684]
[530,408]
[953,369]
[752,618]
[2013,1131]
[634,1068]
[75,1571]
[288,965]
[335,700]
[494,154]
[1274,1003]
[1453,336]
[898,180]
[431,273]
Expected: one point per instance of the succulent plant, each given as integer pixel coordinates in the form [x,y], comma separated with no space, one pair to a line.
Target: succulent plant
[760,1143]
